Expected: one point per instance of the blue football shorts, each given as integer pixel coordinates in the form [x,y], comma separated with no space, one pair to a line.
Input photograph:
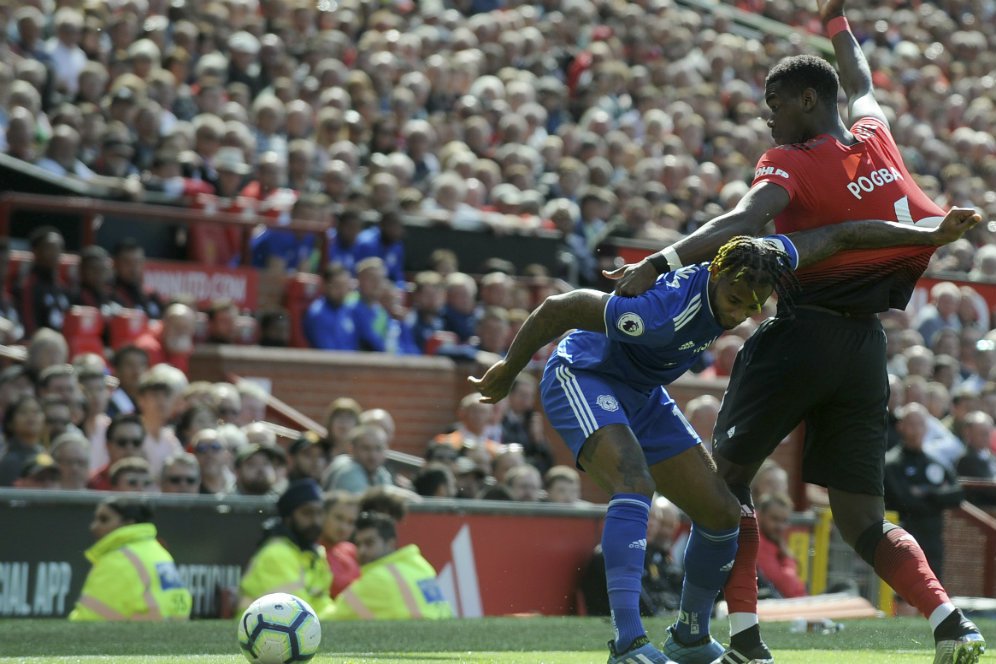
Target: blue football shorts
[579,402]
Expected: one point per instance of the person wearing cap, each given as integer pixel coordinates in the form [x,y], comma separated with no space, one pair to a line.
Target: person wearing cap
[394,584]
[71,453]
[181,474]
[243,67]
[40,472]
[471,478]
[156,397]
[306,457]
[255,471]
[131,475]
[96,386]
[133,577]
[291,560]
[125,436]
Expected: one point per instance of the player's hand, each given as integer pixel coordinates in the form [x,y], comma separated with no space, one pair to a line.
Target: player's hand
[956,223]
[830,9]
[633,278]
[495,384]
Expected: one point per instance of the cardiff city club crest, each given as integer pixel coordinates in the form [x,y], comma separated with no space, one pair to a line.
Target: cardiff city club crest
[607,402]
[631,324]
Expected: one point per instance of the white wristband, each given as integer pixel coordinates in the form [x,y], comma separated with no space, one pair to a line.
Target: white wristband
[672,258]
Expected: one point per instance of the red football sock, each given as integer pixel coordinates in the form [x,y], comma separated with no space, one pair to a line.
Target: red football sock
[741,588]
[900,562]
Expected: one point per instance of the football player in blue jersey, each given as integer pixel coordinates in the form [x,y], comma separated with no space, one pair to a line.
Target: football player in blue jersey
[603,392]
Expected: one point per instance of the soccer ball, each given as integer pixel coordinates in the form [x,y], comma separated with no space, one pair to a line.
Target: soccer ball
[279,629]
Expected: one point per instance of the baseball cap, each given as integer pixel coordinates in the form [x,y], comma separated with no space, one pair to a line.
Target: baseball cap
[304,441]
[466,465]
[39,465]
[274,453]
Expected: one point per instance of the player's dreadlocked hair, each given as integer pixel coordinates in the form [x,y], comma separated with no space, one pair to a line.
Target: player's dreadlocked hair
[758,262]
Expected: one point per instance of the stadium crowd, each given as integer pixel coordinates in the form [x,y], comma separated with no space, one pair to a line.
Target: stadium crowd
[592,120]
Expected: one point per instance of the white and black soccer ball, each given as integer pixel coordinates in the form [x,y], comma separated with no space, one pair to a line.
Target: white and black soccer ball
[279,629]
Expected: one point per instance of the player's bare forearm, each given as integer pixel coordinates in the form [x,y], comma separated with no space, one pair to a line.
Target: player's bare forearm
[819,243]
[855,75]
[582,309]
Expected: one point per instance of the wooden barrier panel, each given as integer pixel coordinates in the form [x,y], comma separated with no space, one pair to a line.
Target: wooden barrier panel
[421,393]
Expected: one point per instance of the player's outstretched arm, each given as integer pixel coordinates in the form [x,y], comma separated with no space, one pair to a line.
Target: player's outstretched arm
[855,75]
[581,309]
[819,243]
[758,206]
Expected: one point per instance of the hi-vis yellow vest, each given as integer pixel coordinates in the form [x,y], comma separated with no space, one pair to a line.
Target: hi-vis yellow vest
[400,586]
[280,566]
[133,578]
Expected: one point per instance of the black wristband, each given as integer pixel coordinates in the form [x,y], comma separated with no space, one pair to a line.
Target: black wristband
[659,262]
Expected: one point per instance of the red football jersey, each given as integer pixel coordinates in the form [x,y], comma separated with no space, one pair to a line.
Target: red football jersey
[829,183]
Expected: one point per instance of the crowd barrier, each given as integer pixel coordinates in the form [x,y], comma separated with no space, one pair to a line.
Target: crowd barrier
[493,558]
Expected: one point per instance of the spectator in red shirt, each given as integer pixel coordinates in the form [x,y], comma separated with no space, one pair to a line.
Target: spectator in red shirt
[275,201]
[125,436]
[775,564]
[341,510]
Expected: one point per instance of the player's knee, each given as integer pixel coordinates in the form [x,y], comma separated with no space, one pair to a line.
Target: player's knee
[641,483]
[724,515]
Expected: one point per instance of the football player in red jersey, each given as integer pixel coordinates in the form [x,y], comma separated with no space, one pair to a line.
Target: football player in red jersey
[824,364]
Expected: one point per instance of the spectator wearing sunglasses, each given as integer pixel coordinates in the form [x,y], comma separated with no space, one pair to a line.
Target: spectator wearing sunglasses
[215,462]
[181,474]
[131,475]
[125,435]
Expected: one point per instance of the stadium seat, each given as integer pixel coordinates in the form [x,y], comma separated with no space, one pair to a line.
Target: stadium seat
[69,269]
[83,327]
[20,263]
[126,326]
[302,289]
[440,338]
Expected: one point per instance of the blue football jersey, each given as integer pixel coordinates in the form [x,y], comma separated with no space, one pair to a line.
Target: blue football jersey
[653,338]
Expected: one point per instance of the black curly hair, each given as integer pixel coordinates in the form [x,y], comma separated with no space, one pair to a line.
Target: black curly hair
[798,72]
[758,262]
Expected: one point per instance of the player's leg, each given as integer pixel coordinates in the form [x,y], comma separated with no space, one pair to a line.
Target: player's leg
[592,421]
[899,560]
[772,385]
[845,452]
[690,481]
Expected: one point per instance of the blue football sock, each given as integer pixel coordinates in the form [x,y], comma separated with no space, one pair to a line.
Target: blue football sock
[624,545]
[708,560]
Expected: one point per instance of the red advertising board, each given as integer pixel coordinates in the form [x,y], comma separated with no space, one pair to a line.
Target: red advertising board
[203,283]
[922,293]
[502,564]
